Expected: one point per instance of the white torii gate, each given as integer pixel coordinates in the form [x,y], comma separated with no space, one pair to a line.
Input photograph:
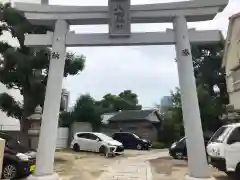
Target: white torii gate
[179,13]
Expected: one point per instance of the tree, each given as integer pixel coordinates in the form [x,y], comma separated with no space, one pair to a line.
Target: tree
[87,109]
[209,74]
[207,62]
[126,100]
[26,69]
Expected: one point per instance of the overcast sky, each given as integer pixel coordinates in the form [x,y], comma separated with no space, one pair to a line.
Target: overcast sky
[149,71]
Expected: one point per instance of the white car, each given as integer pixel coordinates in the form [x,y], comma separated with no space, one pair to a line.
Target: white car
[96,142]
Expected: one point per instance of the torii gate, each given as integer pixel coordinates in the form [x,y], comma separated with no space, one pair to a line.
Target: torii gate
[119,15]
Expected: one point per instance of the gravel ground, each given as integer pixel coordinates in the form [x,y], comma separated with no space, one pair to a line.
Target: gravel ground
[170,169]
[85,166]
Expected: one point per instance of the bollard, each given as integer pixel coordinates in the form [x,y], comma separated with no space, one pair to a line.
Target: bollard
[2,146]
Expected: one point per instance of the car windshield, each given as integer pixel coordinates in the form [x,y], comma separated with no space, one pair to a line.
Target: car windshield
[136,136]
[182,139]
[104,136]
[220,134]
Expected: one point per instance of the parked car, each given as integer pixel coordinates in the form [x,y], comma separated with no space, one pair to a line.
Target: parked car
[178,150]
[18,161]
[132,141]
[96,142]
[224,150]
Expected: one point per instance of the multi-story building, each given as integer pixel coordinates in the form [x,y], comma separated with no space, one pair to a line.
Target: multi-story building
[65,99]
[231,62]
[166,101]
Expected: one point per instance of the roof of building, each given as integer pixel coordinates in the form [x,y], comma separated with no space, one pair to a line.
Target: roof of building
[134,115]
[229,35]
[106,116]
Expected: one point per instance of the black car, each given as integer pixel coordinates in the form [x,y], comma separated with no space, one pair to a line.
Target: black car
[132,141]
[18,161]
[178,150]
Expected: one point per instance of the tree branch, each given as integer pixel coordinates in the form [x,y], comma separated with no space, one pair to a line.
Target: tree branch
[10,106]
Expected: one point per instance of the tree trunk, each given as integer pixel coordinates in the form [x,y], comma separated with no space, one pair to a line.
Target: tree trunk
[24,138]
[29,107]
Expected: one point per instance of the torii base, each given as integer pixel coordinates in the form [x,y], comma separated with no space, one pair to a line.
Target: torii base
[193,178]
[48,177]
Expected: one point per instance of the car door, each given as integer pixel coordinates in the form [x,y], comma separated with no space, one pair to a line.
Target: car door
[130,141]
[122,137]
[233,149]
[82,140]
[94,142]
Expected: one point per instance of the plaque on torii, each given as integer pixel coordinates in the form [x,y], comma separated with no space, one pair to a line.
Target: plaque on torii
[119,18]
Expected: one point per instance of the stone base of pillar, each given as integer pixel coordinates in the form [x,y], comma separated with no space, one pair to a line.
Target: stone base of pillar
[49,177]
[193,178]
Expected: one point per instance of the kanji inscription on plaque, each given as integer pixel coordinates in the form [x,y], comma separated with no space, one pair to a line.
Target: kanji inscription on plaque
[119,22]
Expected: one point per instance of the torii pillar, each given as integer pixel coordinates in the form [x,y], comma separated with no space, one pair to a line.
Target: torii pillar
[197,160]
[49,126]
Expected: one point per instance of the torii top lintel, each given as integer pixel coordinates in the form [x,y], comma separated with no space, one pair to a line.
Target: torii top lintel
[194,10]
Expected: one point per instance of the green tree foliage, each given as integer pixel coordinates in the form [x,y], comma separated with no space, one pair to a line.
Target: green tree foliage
[126,100]
[207,62]
[209,74]
[26,69]
[87,109]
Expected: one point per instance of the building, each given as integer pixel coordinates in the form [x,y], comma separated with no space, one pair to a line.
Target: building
[65,99]
[106,116]
[144,123]
[231,62]
[166,101]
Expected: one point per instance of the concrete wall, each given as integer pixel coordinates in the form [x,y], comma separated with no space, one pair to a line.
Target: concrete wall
[235,99]
[79,127]
[233,51]
[2,146]
[233,61]
[62,140]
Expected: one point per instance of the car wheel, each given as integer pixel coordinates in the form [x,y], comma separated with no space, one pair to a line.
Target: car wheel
[179,155]
[139,147]
[76,147]
[237,172]
[9,171]
[174,156]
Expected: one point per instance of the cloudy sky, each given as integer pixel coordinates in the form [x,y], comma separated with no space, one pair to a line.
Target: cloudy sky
[149,71]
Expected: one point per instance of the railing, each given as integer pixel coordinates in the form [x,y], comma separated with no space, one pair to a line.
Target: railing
[9,127]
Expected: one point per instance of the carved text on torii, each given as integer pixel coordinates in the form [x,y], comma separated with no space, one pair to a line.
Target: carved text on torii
[119,16]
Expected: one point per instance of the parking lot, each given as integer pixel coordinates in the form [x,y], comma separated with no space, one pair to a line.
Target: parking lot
[170,169]
[89,166]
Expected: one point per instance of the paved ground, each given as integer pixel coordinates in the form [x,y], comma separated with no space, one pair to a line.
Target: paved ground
[166,168]
[133,165]
[133,168]
[90,166]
